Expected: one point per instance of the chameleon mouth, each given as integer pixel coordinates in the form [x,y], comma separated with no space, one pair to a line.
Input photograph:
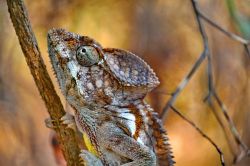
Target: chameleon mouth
[58,46]
[57,60]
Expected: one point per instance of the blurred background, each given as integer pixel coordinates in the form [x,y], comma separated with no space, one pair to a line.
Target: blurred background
[165,34]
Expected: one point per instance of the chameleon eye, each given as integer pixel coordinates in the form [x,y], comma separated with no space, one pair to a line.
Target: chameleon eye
[87,55]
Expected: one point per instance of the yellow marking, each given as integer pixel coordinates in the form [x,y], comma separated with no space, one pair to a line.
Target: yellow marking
[89,145]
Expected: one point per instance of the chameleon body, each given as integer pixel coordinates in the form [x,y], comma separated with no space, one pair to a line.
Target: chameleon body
[106,88]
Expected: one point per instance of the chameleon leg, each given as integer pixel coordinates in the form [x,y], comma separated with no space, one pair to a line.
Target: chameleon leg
[90,159]
[112,137]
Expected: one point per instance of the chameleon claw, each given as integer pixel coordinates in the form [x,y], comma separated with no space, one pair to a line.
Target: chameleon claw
[82,160]
[69,120]
[50,123]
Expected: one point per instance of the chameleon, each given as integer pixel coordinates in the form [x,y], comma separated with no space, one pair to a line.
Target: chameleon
[106,88]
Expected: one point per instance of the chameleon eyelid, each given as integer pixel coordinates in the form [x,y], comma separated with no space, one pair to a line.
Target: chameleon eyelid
[98,49]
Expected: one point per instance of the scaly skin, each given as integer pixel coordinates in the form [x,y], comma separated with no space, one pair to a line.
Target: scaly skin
[106,88]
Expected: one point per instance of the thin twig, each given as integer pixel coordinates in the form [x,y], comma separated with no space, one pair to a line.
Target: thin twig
[247,50]
[185,81]
[229,34]
[233,36]
[213,93]
[210,104]
[182,85]
[209,61]
[27,39]
[202,133]
[211,90]
[231,123]
[244,150]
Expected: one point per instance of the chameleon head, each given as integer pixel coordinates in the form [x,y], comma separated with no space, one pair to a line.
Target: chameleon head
[69,54]
[88,72]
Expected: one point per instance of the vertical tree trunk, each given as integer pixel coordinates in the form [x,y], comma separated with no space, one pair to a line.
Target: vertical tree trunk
[21,23]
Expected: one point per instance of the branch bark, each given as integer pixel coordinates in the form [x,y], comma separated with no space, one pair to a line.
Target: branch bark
[21,23]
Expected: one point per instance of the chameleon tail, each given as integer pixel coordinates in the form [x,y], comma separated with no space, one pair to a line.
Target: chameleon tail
[161,143]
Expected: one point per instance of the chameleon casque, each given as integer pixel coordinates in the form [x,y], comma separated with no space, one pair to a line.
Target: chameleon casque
[106,88]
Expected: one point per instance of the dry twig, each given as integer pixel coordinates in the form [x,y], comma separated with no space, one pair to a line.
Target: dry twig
[202,133]
[229,34]
[211,90]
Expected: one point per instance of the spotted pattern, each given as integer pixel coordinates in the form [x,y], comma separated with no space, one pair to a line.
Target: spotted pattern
[129,69]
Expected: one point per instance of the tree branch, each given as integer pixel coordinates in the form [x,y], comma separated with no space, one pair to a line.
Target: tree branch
[211,90]
[21,23]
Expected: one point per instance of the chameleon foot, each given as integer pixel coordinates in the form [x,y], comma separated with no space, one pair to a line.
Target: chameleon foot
[50,123]
[69,120]
[89,159]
